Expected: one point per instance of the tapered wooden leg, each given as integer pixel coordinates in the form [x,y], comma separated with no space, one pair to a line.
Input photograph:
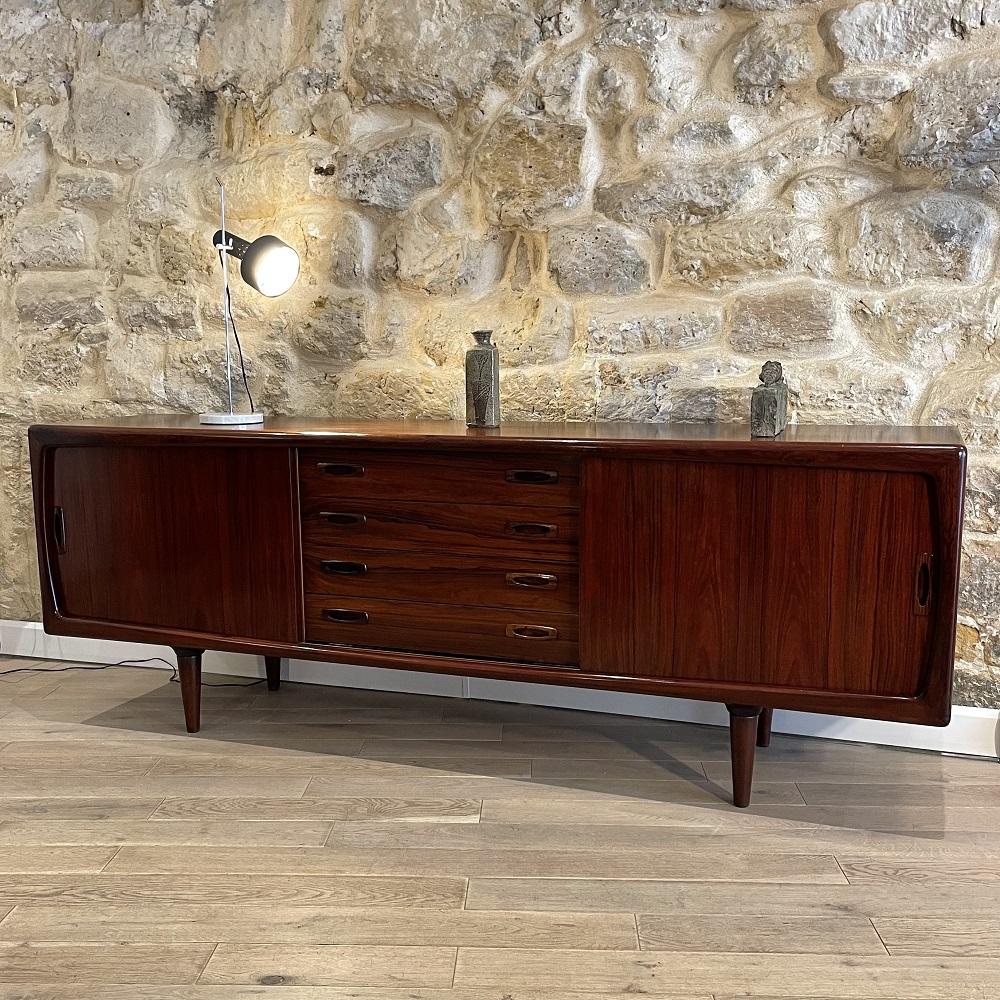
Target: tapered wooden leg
[272,665]
[764,727]
[189,671]
[742,738]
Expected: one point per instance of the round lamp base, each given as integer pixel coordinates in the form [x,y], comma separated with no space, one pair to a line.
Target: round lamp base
[231,419]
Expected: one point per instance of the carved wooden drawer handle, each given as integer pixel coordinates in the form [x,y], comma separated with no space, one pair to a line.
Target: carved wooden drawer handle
[345,615]
[537,477]
[341,468]
[534,581]
[532,632]
[531,529]
[339,567]
[340,517]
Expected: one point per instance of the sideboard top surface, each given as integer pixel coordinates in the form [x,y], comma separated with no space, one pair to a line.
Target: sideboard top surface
[454,434]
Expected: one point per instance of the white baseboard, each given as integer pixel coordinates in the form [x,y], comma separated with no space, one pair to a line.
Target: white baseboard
[973,731]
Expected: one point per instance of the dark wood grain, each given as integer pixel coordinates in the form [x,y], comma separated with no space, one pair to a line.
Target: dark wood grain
[438,477]
[764,727]
[816,572]
[435,628]
[189,674]
[440,577]
[743,739]
[459,526]
[199,540]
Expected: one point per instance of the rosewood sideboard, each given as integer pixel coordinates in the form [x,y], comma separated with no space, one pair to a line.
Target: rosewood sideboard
[817,571]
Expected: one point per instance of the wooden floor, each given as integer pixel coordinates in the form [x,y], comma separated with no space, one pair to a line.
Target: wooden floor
[351,844]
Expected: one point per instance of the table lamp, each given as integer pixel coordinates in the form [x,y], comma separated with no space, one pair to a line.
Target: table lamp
[267,264]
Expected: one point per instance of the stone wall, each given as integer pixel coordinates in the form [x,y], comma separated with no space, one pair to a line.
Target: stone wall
[644,198]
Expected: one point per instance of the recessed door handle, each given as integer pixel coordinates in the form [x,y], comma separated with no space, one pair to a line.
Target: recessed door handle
[340,567]
[923,584]
[536,477]
[59,529]
[342,517]
[341,468]
[345,615]
[534,581]
[532,632]
[531,529]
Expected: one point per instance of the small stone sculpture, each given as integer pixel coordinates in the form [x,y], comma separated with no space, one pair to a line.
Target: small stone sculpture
[482,382]
[769,402]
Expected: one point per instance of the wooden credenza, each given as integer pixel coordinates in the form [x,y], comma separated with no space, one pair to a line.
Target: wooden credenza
[817,572]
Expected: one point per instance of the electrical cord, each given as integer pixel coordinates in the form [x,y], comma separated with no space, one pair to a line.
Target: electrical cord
[236,337]
[174,678]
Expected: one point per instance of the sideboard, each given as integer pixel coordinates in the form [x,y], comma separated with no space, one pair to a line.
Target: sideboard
[817,571]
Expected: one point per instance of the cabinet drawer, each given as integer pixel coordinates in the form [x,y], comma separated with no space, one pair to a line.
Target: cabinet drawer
[540,481]
[546,535]
[489,633]
[440,577]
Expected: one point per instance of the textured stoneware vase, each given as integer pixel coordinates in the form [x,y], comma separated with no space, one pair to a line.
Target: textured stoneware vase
[482,382]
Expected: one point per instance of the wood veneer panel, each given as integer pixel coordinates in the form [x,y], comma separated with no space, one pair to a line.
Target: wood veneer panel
[439,477]
[202,539]
[437,576]
[483,529]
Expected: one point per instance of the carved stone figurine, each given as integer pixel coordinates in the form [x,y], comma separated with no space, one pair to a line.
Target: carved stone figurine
[482,382]
[769,402]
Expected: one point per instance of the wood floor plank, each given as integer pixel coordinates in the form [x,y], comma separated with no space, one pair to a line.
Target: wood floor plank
[231,833]
[232,766]
[780,807]
[80,768]
[146,787]
[913,769]
[703,866]
[680,899]
[896,795]
[260,889]
[844,977]
[254,992]
[86,807]
[330,965]
[737,932]
[951,871]
[692,833]
[354,809]
[306,925]
[958,936]
[16,859]
[102,963]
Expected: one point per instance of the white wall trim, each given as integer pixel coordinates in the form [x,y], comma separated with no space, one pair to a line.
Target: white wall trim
[973,731]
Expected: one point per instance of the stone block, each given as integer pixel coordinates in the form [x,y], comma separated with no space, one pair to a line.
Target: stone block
[967,396]
[438,54]
[36,50]
[115,124]
[45,239]
[597,258]
[772,57]
[659,323]
[982,499]
[794,320]
[558,392]
[895,239]
[857,389]
[390,175]
[678,195]
[869,87]
[84,188]
[529,167]
[951,117]
[65,302]
[337,330]
[401,390]
[718,254]
[148,307]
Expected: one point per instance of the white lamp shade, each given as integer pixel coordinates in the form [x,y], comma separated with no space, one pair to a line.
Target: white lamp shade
[270,265]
